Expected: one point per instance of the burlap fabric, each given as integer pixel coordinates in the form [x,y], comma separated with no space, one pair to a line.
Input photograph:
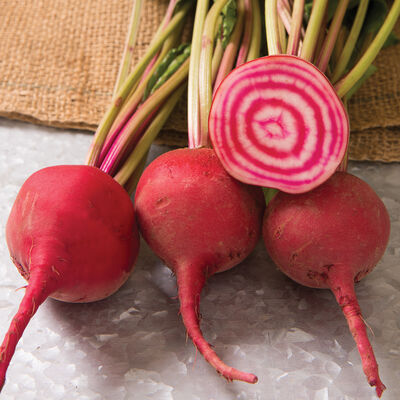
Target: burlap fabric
[59,60]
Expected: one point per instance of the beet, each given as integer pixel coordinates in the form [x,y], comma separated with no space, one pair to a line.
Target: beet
[72,235]
[331,237]
[199,221]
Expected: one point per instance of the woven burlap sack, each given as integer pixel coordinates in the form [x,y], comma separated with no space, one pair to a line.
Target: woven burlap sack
[375,111]
[59,60]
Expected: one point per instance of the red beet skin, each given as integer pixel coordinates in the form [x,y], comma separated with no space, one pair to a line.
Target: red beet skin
[199,221]
[72,235]
[330,238]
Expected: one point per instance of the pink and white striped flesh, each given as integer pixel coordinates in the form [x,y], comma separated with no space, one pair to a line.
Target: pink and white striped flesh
[277,122]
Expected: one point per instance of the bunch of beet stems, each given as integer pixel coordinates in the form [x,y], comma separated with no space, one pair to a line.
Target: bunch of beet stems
[330,47]
[212,61]
[226,34]
[144,98]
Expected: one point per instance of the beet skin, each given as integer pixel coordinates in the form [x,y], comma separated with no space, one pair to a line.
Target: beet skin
[331,237]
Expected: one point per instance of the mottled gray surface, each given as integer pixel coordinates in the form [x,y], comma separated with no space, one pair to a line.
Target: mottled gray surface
[133,345]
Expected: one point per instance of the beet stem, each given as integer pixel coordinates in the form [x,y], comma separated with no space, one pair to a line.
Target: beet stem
[205,70]
[138,154]
[129,83]
[37,291]
[193,82]
[133,128]
[129,45]
[344,85]
[284,13]
[244,47]
[342,286]
[332,35]
[230,52]
[254,49]
[313,29]
[190,283]
[295,27]
[271,24]
[350,44]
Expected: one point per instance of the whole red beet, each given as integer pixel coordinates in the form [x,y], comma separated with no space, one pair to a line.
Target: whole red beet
[331,237]
[199,221]
[72,235]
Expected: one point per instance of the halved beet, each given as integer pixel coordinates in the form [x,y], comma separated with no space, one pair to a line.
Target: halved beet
[277,122]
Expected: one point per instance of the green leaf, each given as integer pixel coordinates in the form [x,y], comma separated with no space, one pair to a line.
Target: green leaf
[377,11]
[180,3]
[307,9]
[229,16]
[269,194]
[374,19]
[376,15]
[168,66]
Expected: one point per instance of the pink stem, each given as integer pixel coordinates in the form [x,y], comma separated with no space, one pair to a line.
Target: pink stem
[133,128]
[246,40]
[286,4]
[190,284]
[122,119]
[167,19]
[37,291]
[134,99]
[127,138]
[226,64]
[133,106]
[331,37]
[296,29]
[228,59]
[341,282]
[284,15]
